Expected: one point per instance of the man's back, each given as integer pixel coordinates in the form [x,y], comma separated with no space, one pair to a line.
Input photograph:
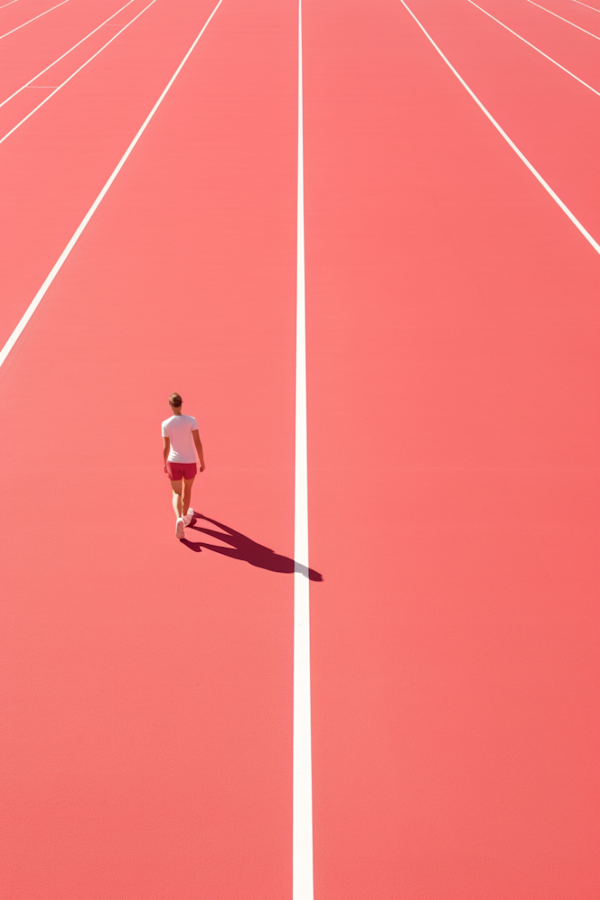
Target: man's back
[179,430]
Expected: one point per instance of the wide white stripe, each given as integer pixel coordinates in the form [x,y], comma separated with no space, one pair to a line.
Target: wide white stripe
[73,74]
[32,20]
[302,751]
[537,49]
[568,21]
[66,53]
[511,143]
[65,254]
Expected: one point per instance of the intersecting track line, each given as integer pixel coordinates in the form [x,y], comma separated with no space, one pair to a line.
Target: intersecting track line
[66,53]
[537,49]
[66,252]
[568,21]
[32,20]
[302,852]
[593,243]
[73,74]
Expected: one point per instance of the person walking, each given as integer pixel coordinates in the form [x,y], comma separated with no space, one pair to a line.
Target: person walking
[180,436]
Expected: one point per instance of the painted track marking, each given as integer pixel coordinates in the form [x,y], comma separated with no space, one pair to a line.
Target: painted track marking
[81,228]
[593,243]
[568,21]
[39,74]
[73,74]
[537,49]
[9,4]
[32,20]
[302,763]
[588,6]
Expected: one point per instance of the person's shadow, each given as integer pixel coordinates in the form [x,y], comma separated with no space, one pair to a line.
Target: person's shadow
[246,550]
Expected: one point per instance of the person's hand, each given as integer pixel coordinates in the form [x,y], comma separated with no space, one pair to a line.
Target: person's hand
[202,468]
[165,470]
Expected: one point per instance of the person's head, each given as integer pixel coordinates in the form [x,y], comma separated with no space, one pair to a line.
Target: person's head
[175,402]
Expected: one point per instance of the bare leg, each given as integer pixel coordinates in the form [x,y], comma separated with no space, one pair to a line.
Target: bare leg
[187,494]
[177,499]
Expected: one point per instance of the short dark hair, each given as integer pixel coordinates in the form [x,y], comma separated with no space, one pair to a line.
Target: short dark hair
[175,400]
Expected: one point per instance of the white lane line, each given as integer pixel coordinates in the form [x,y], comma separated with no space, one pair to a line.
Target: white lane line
[32,20]
[511,144]
[39,74]
[568,21]
[66,252]
[73,74]
[8,4]
[588,5]
[537,49]
[302,862]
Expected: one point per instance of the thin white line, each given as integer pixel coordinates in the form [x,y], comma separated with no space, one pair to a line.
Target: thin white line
[302,867]
[511,144]
[595,8]
[66,81]
[568,21]
[65,254]
[39,74]
[584,83]
[9,4]
[33,20]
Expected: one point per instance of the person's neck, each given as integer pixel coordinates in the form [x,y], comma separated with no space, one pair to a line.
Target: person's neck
[176,412]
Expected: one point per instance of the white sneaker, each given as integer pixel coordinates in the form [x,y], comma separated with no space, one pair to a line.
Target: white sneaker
[187,519]
[191,513]
[180,529]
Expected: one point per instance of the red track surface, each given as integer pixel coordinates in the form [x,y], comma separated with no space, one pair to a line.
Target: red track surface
[151,684]
[570,47]
[452,316]
[37,45]
[551,117]
[15,15]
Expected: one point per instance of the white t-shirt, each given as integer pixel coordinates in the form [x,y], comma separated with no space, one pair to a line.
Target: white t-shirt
[179,431]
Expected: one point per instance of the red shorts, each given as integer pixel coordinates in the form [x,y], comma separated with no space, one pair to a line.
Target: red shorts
[176,471]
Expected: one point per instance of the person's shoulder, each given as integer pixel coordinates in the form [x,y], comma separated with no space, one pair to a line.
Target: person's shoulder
[191,419]
[166,422]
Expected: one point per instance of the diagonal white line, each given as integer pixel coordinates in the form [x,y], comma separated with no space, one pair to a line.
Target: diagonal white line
[32,20]
[73,74]
[66,252]
[588,5]
[39,74]
[302,881]
[537,49]
[568,21]
[512,145]
[8,4]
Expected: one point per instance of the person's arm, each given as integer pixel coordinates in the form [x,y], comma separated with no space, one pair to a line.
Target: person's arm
[199,449]
[166,448]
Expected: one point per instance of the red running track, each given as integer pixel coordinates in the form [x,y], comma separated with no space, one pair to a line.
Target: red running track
[150,683]
[453,448]
[29,13]
[551,117]
[29,50]
[452,326]
[576,51]
[56,163]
